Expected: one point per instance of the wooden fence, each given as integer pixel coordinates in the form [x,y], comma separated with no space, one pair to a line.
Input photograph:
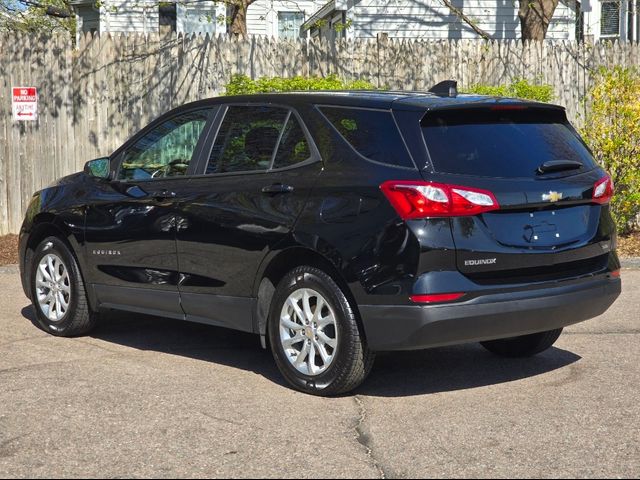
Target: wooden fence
[94,96]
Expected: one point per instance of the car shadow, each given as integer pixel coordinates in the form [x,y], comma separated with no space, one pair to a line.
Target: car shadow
[397,374]
[191,340]
[460,367]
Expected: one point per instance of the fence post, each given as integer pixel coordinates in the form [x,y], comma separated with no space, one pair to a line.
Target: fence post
[383,47]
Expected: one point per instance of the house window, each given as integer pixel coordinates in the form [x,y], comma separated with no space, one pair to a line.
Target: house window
[289,24]
[167,17]
[610,19]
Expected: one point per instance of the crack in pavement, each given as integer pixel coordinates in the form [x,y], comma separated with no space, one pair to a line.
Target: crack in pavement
[364,438]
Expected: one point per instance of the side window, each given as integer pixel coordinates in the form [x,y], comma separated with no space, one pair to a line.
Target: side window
[247,139]
[294,147]
[372,133]
[166,151]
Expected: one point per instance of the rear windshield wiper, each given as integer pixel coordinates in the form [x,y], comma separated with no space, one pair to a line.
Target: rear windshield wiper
[558,166]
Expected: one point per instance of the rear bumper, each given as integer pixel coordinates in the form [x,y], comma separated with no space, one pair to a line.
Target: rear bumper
[488,317]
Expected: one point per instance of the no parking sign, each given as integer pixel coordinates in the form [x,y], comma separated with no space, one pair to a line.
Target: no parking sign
[25,104]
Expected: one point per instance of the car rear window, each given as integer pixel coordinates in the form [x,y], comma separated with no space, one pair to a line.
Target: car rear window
[501,143]
[372,133]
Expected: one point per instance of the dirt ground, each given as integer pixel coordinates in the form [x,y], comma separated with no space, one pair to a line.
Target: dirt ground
[629,246]
[8,250]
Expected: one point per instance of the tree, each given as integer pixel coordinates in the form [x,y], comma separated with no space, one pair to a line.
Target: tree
[35,16]
[238,17]
[535,16]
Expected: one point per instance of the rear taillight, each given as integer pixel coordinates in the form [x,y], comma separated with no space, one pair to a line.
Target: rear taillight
[426,199]
[436,298]
[603,190]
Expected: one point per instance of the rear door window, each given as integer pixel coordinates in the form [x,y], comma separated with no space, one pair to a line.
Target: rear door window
[293,147]
[247,139]
[372,133]
[501,143]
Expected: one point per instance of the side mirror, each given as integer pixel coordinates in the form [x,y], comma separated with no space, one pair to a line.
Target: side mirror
[99,168]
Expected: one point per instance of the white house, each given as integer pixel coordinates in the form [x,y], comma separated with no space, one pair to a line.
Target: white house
[431,19]
[591,20]
[149,16]
[274,18]
[280,18]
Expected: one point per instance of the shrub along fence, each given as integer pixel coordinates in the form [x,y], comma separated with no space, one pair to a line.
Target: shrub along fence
[92,97]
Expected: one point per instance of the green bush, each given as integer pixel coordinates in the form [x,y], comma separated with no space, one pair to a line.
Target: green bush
[613,133]
[241,84]
[519,88]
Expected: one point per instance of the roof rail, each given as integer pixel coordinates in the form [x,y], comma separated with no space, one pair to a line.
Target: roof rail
[448,88]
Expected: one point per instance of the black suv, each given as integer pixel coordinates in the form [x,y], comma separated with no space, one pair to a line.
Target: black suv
[335,225]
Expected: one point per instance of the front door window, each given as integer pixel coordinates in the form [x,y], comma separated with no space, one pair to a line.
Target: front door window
[166,151]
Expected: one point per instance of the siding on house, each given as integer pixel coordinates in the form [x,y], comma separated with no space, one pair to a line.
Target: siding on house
[256,18]
[130,16]
[202,17]
[432,19]
[262,16]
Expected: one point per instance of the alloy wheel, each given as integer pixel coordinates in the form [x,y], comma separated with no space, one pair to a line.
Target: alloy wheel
[53,287]
[308,332]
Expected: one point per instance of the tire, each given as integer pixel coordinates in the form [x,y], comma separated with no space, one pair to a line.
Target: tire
[525,346]
[77,318]
[339,370]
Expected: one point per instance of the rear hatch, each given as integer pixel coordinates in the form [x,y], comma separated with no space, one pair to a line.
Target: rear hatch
[551,217]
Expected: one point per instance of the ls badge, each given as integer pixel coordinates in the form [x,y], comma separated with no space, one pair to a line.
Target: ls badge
[552,196]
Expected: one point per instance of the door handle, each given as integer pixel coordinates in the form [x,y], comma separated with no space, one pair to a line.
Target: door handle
[277,188]
[163,195]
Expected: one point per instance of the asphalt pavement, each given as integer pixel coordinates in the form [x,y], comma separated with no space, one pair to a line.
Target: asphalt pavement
[147,397]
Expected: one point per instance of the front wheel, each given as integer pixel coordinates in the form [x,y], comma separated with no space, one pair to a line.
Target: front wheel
[314,335]
[524,346]
[58,291]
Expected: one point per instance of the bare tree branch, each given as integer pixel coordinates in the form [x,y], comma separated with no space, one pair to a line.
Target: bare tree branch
[461,15]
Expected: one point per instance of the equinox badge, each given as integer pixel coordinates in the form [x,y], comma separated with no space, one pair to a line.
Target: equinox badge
[482,261]
[552,196]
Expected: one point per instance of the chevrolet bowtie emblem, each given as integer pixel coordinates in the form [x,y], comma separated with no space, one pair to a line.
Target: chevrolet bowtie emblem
[552,196]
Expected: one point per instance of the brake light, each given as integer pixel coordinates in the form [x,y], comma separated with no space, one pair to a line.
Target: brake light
[427,199]
[440,297]
[615,273]
[603,190]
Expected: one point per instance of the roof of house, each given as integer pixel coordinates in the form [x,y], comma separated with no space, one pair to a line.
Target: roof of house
[319,15]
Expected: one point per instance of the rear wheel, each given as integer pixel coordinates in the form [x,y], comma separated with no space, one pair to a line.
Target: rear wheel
[58,291]
[314,335]
[524,346]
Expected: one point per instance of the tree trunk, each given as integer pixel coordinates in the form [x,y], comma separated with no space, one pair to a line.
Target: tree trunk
[239,18]
[535,16]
